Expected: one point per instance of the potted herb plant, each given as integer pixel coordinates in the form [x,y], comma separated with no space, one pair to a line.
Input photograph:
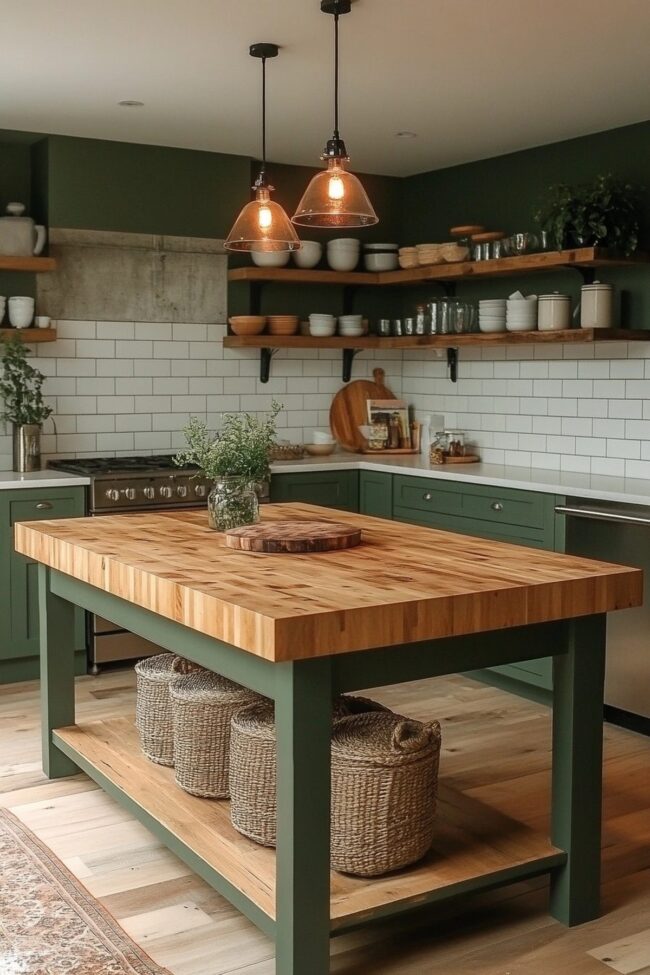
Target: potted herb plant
[236,459]
[24,407]
[602,213]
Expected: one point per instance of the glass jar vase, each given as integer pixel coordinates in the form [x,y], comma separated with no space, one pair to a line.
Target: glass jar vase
[232,502]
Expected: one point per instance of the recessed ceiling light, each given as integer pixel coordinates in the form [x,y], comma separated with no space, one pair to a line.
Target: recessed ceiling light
[131,103]
[406,135]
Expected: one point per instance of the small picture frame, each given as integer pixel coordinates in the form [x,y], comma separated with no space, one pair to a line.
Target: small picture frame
[383,409]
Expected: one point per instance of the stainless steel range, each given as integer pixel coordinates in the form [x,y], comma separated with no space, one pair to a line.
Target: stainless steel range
[118,485]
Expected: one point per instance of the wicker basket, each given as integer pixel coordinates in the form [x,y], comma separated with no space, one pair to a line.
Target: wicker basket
[384,783]
[153,711]
[203,706]
[253,765]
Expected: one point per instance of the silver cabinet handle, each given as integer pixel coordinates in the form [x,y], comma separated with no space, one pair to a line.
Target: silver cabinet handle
[601,514]
[496,506]
[43,506]
[427,496]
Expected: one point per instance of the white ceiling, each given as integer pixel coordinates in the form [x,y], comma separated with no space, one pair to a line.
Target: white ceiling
[474,78]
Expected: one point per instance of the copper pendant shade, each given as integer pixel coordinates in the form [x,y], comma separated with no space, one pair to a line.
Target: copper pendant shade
[335,198]
[263,225]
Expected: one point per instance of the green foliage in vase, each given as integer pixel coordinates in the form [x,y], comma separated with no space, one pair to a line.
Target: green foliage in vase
[20,386]
[240,449]
[602,213]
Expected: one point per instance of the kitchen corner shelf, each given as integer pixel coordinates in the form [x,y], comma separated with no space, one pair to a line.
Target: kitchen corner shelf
[29,334]
[34,264]
[350,347]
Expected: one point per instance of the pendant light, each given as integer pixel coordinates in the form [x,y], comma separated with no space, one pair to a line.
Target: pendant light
[335,197]
[263,225]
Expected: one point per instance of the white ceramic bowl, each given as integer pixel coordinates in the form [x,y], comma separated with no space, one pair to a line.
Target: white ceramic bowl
[322,331]
[318,319]
[350,319]
[381,247]
[343,260]
[344,242]
[309,254]
[381,262]
[521,326]
[351,333]
[489,326]
[271,258]
[321,436]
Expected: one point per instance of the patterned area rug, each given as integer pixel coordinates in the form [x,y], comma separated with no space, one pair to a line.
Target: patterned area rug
[49,923]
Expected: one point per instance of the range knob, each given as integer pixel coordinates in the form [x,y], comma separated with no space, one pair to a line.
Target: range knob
[199,490]
[112,494]
[181,491]
[149,493]
[165,491]
[129,494]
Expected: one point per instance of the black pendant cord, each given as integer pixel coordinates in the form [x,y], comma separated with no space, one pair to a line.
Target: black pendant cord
[263,170]
[336,76]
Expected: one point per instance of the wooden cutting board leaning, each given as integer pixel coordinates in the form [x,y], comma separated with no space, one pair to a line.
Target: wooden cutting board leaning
[349,411]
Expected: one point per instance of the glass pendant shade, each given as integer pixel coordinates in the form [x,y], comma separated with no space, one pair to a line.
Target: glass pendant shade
[335,198]
[262,226]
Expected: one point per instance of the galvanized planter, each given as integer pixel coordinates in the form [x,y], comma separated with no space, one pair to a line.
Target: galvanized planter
[26,447]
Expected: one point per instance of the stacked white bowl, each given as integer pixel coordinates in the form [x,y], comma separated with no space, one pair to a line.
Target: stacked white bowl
[492,315]
[309,254]
[322,326]
[351,325]
[521,313]
[343,253]
[380,257]
[270,258]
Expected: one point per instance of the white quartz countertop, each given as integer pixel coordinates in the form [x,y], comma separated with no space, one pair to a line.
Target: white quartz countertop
[594,487]
[10,480]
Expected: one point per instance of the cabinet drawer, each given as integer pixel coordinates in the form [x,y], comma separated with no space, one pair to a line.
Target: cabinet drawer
[42,509]
[507,507]
[331,489]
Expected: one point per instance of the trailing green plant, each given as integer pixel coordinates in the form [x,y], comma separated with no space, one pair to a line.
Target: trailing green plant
[602,213]
[240,449]
[20,386]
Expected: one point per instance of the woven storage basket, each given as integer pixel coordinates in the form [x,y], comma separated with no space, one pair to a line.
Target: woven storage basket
[203,706]
[384,784]
[153,711]
[253,765]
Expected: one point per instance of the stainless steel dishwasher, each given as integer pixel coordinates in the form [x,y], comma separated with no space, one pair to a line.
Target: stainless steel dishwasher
[619,533]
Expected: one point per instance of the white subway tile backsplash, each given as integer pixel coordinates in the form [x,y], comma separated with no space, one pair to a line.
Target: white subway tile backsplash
[114,441]
[610,466]
[90,348]
[75,330]
[73,367]
[160,331]
[127,349]
[624,448]
[115,404]
[115,330]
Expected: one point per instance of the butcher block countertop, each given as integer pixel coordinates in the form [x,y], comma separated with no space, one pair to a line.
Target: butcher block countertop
[402,584]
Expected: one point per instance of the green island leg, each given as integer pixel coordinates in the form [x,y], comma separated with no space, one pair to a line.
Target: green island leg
[303,720]
[57,618]
[578,694]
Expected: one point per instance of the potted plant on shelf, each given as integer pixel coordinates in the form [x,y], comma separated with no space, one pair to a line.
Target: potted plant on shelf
[24,407]
[236,460]
[603,213]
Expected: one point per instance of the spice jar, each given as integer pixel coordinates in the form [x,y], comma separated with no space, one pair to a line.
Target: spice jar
[378,435]
[455,443]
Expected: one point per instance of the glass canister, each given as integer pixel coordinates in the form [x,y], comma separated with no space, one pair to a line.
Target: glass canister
[232,502]
[455,443]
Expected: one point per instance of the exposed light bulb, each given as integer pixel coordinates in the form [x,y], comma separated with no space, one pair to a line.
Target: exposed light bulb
[264,218]
[336,188]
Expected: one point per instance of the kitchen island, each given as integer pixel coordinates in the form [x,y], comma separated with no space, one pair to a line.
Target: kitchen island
[408,603]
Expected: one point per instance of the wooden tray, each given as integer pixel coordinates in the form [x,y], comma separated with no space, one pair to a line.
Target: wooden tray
[394,450]
[467,459]
[297,537]
[348,410]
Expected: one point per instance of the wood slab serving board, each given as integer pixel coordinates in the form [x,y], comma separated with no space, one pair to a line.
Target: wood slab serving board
[293,537]
[348,410]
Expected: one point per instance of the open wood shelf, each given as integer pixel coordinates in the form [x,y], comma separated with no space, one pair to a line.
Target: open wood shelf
[29,334]
[476,846]
[436,341]
[33,264]
[578,258]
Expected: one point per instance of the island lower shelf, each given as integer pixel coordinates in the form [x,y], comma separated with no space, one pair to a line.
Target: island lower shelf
[476,846]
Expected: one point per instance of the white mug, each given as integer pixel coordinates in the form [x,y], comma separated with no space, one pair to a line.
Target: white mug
[42,321]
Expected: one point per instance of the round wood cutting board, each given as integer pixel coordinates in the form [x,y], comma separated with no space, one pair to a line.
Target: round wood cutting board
[293,537]
[348,409]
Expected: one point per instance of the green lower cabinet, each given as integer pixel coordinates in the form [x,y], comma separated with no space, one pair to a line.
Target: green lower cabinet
[376,494]
[504,514]
[332,489]
[19,625]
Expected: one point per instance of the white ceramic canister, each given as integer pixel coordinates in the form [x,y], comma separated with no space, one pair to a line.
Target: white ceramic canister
[553,312]
[597,305]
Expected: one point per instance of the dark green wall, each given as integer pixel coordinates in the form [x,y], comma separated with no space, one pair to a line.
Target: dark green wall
[148,189]
[503,192]
[14,174]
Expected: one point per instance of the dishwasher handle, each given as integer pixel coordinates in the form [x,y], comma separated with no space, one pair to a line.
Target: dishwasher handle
[598,514]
